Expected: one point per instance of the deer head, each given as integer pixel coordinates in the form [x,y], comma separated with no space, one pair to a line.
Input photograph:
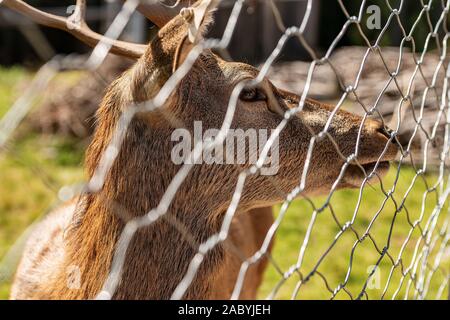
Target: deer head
[144,167]
[204,94]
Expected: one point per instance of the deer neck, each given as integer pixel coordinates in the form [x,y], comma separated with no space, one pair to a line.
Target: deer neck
[159,255]
[157,258]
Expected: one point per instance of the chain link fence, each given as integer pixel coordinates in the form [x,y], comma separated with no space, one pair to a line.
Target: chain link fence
[409,238]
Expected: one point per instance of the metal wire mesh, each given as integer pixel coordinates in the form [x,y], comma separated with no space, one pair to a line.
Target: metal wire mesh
[423,252]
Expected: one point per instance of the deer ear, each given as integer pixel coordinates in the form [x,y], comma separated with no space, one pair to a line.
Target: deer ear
[170,47]
[199,18]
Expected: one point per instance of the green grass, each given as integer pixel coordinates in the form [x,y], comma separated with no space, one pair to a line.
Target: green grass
[336,264]
[33,168]
[12,82]
[30,181]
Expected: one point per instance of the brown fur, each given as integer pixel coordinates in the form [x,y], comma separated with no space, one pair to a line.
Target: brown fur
[159,255]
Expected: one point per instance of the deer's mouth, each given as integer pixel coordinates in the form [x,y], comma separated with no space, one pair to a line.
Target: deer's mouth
[355,174]
[372,168]
[380,168]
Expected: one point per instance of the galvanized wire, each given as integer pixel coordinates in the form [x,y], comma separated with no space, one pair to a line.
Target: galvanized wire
[428,251]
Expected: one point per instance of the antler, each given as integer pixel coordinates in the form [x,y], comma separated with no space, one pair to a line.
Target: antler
[160,12]
[75,25]
[157,11]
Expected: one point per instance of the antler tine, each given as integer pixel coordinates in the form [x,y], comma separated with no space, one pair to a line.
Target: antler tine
[78,16]
[76,26]
[160,12]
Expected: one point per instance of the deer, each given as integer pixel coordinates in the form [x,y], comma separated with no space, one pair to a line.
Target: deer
[84,232]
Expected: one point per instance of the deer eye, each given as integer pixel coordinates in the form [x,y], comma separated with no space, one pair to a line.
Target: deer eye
[253,95]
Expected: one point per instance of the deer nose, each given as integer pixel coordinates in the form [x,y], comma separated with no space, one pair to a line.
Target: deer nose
[384,134]
[378,127]
[385,131]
